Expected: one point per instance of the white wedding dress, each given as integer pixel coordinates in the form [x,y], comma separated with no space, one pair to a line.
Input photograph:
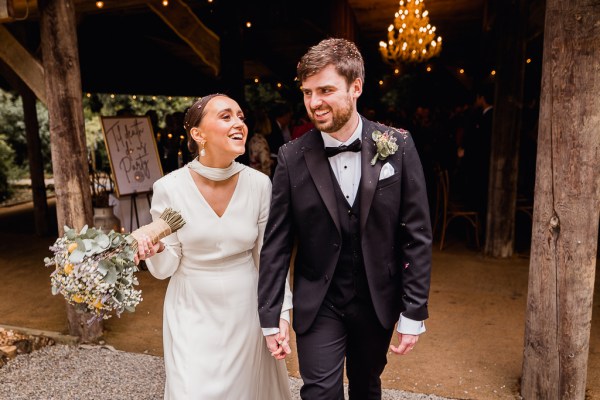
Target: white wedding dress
[213,345]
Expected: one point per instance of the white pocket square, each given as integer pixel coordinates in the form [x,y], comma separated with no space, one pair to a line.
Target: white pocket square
[386,171]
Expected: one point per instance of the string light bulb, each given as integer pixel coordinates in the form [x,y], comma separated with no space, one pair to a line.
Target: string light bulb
[411,38]
[99,4]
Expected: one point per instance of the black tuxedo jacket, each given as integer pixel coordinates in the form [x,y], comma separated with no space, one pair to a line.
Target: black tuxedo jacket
[394,223]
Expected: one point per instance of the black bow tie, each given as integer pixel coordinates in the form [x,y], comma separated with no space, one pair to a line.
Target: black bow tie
[354,146]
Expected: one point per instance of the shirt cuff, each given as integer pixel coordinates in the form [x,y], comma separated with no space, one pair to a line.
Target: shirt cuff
[271,331]
[410,326]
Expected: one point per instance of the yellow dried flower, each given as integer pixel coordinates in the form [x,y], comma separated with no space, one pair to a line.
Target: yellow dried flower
[68,268]
[98,304]
[78,298]
[72,247]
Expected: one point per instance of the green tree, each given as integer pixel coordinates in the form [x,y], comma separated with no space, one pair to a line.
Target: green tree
[6,163]
[12,126]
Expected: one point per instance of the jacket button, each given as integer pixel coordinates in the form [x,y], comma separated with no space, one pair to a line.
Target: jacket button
[326,278]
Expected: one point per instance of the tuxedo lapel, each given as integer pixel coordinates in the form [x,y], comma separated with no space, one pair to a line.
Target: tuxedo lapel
[319,169]
[369,173]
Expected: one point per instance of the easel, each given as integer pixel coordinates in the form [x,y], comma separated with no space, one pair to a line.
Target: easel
[133,210]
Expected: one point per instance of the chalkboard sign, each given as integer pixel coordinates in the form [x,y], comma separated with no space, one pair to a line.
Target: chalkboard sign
[132,152]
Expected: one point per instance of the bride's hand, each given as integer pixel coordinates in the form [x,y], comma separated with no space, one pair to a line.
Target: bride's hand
[146,249]
[283,340]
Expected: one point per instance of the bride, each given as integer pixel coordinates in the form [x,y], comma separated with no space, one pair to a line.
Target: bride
[213,344]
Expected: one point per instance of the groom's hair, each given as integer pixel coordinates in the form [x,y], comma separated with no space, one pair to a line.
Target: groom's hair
[340,53]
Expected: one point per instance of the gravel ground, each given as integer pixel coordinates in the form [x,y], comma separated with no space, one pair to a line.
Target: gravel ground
[101,373]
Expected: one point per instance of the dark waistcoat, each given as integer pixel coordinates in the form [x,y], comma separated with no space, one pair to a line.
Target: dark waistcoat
[349,279]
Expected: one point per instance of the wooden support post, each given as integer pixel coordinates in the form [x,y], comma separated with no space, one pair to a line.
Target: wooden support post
[508,100]
[67,135]
[36,164]
[34,149]
[566,207]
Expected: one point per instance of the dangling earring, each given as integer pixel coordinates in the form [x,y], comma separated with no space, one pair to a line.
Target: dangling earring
[202,151]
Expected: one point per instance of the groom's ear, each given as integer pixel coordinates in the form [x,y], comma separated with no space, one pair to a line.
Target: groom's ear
[356,88]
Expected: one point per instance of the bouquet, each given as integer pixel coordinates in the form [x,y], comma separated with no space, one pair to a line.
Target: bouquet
[94,271]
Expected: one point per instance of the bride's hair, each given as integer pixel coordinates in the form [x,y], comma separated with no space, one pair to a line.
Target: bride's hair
[193,116]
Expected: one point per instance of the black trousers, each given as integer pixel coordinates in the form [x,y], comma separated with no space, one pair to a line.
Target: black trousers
[352,333]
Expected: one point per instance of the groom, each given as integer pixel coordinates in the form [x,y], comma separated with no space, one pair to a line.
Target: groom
[351,194]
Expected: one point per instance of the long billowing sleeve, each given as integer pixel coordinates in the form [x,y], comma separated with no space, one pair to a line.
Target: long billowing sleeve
[164,264]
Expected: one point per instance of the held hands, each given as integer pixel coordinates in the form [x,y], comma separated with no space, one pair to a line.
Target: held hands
[146,249]
[279,343]
[407,342]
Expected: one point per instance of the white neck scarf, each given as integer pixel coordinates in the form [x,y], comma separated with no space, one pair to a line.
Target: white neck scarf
[215,174]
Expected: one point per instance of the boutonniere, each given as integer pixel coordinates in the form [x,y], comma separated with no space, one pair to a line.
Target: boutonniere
[386,145]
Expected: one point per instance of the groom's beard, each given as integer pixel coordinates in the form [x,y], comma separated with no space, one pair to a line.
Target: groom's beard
[340,117]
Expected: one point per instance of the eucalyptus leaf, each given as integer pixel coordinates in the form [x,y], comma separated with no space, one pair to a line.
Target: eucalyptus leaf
[111,276]
[89,244]
[76,256]
[103,241]
[119,267]
[54,290]
[95,249]
[103,267]
[70,233]
[84,230]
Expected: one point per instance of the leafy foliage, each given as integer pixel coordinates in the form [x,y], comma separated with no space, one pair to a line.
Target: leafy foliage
[6,162]
[261,96]
[12,126]
[94,271]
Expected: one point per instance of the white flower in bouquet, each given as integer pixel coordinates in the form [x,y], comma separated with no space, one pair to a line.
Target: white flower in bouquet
[95,271]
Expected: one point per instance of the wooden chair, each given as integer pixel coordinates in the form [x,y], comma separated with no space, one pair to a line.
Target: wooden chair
[525,206]
[451,209]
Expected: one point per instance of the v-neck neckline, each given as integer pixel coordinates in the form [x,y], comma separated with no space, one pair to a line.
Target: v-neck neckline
[233,195]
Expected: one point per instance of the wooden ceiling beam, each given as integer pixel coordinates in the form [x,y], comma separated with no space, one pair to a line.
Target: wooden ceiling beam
[184,22]
[26,66]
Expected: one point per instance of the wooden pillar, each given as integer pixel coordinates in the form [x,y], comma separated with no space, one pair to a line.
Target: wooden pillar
[34,149]
[36,164]
[566,207]
[343,24]
[67,135]
[506,131]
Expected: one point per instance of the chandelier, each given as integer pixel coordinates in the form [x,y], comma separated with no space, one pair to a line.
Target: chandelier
[411,38]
